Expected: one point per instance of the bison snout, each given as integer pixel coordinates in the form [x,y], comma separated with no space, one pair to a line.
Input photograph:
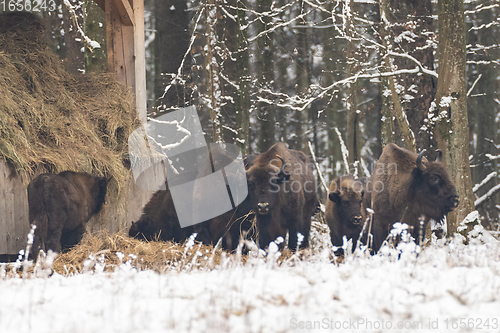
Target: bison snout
[357,219]
[263,207]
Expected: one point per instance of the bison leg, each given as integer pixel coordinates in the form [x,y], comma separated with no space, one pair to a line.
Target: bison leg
[379,236]
[269,229]
[53,241]
[70,238]
[305,230]
[292,238]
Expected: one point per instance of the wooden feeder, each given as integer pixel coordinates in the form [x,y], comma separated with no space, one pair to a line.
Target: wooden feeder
[126,57]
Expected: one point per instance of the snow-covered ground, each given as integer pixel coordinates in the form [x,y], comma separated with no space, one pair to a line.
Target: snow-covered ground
[446,288]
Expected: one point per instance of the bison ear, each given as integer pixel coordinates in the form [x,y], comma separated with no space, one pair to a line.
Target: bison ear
[334,196]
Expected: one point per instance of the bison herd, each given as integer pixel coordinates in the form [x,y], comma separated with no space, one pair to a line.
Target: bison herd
[404,187]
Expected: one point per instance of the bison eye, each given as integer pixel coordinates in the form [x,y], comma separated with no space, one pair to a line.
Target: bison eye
[434,180]
[345,203]
[251,184]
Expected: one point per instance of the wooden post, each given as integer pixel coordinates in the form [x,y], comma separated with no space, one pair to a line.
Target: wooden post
[126,48]
[140,60]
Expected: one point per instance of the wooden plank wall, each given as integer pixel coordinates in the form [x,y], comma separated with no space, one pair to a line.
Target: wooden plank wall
[116,215]
[14,224]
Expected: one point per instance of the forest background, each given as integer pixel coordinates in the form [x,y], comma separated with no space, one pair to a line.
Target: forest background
[319,75]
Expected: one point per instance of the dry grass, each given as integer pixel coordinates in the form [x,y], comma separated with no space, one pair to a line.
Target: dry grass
[155,255]
[106,251]
[51,120]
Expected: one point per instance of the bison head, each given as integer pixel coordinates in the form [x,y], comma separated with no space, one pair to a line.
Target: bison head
[433,188]
[264,184]
[348,197]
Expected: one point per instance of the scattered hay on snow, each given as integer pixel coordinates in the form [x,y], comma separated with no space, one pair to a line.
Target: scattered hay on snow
[114,249]
[111,250]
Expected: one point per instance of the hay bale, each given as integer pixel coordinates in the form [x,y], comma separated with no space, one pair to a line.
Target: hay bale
[51,120]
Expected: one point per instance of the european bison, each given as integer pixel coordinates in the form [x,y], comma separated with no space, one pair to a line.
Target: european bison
[60,206]
[233,224]
[404,186]
[282,192]
[159,220]
[343,210]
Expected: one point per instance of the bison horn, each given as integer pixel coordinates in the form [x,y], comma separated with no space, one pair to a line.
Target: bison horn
[283,165]
[420,166]
[439,158]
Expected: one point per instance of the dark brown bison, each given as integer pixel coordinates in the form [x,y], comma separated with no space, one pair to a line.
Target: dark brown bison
[343,210]
[404,186]
[60,206]
[159,220]
[237,222]
[282,192]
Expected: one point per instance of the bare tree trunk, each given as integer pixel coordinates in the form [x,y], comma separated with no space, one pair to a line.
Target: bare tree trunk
[300,117]
[414,19]
[352,126]
[74,57]
[243,93]
[214,91]
[95,29]
[391,97]
[171,44]
[482,113]
[451,101]
[266,112]
[332,103]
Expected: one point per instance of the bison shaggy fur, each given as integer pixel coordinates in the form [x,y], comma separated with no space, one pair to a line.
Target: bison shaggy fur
[282,192]
[159,221]
[405,186]
[60,205]
[344,210]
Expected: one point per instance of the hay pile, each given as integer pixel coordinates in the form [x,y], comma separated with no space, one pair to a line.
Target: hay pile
[158,256]
[51,120]
[110,250]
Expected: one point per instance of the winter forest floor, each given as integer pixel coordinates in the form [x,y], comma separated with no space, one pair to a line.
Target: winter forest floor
[447,287]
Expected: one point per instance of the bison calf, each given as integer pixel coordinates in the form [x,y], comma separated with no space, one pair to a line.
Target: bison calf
[343,210]
[60,206]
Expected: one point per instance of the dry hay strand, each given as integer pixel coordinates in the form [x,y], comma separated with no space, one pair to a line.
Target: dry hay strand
[51,120]
[155,255]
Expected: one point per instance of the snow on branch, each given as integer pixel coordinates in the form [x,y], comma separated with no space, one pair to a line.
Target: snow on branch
[480,201]
[345,152]
[484,26]
[484,181]
[418,63]
[320,174]
[91,44]
[279,25]
[480,8]
[177,78]
[474,84]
